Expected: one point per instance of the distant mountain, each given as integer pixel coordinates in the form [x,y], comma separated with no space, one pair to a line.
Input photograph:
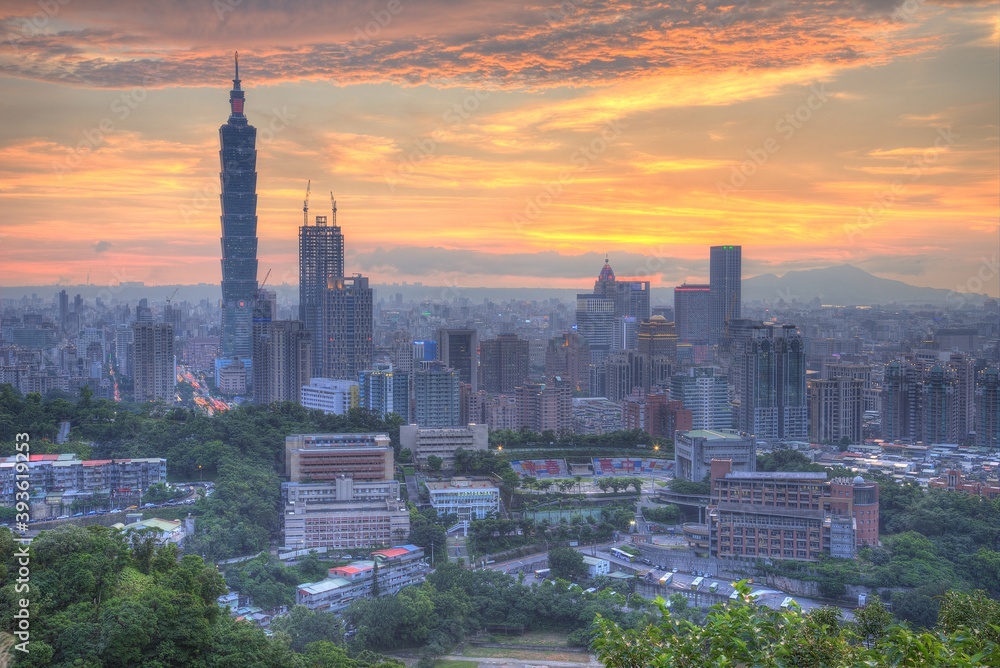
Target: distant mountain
[846,285]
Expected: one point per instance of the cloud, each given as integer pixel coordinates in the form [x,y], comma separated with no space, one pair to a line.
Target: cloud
[108,44]
[102,246]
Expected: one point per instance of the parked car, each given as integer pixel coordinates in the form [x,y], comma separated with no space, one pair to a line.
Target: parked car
[63,517]
[77,514]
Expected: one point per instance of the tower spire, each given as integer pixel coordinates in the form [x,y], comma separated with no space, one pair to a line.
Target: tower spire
[236,79]
[333,203]
[236,95]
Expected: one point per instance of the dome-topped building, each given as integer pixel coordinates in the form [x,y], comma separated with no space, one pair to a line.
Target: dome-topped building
[607,273]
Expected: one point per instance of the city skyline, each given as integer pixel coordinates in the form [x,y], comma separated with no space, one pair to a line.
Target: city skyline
[463,160]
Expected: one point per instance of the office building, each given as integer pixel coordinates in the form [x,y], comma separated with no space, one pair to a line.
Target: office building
[567,357]
[238,156]
[836,410]
[705,392]
[693,312]
[595,322]
[232,378]
[773,401]
[901,418]
[442,442]
[725,278]
[459,350]
[321,258]
[282,359]
[467,498]
[504,363]
[343,513]
[694,451]
[326,457]
[154,376]
[349,328]
[624,371]
[436,396]
[385,390]
[330,396]
[398,567]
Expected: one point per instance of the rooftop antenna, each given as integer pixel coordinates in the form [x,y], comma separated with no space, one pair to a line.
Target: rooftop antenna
[333,204]
[305,205]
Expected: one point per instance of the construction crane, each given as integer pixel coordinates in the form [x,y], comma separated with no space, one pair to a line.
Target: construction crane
[305,204]
[172,294]
[333,205]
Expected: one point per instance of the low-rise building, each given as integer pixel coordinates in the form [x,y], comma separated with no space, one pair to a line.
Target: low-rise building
[393,569]
[694,451]
[469,499]
[330,396]
[596,567]
[325,457]
[426,442]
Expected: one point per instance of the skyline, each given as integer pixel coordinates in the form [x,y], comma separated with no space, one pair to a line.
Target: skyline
[509,145]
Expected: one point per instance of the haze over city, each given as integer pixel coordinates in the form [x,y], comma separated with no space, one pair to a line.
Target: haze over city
[489,144]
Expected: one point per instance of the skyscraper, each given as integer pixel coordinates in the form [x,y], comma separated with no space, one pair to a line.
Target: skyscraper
[321,257]
[281,360]
[705,392]
[773,402]
[154,374]
[504,363]
[725,275]
[835,409]
[693,311]
[459,349]
[348,327]
[238,155]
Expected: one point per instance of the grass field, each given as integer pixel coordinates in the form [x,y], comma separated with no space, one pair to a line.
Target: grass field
[525,655]
[451,663]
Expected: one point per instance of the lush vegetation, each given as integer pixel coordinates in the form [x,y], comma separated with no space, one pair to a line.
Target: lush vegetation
[455,602]
[99,599]
[497,535]
[668,514]
[682,486]
[271,583]
[744,634]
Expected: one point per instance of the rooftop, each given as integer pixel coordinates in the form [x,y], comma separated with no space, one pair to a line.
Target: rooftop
[716,434]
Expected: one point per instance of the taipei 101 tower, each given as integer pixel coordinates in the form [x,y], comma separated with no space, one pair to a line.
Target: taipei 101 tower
[238,155]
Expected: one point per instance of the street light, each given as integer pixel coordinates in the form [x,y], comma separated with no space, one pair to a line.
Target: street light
[201,477]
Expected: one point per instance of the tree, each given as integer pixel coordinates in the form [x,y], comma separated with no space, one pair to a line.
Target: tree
[567,564]
[871,621]
[434,463]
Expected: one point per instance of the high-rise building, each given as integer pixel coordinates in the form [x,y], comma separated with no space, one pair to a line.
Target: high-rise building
[568,357]
[988,408]
[504,363]
[595,322]
[624,371]
[385,390]
[321,258]
[282,356]
[436,395]
[459,350]
[442,442]
[693,312]
[655,414]
[631,298]
[836,407]
[154,373]
[545,407]
[901,402]
[348,327]
[705,392]
[773,402]
[238,155]
[725,277]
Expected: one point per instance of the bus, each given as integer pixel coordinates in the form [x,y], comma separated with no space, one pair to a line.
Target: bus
[622,554]
[697,582]
[714,587]
[542,573]
[666,579]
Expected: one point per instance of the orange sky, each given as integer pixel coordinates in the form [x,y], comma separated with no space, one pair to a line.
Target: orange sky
[497,144]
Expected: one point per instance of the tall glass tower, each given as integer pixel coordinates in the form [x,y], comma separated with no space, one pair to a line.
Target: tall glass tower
[725,280]
[321,258]
[238,155]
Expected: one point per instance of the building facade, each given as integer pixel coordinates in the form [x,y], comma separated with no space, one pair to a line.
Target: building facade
[327,457]
[330,396]
[504,363]
[725,281]
[442,442]
[349,328]
[467,498]
[459,350]
[693,312]
[436,399]
[836,408]
[394,568]
[773,401]
[238,156]
[154,375]
[694,451]
[705,392]
[321,258]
